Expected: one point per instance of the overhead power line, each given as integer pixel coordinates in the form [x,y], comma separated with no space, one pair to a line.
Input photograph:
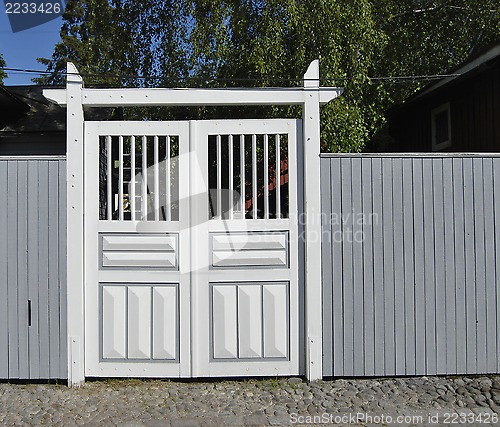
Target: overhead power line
[393,79]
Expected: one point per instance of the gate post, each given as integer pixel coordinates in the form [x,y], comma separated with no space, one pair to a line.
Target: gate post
[75,213]
[312,209]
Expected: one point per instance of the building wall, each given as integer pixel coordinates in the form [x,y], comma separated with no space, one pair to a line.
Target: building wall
[475,115]
[411,265]
[33,268]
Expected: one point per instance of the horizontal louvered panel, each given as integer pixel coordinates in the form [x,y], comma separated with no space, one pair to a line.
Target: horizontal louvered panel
[139,259]
[249,258]
[254,241]
[142,242]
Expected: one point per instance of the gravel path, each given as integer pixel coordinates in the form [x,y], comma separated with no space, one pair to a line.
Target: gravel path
[422,401]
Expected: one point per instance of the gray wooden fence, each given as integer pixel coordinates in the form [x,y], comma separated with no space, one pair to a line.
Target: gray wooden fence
[411,264]
[33,268]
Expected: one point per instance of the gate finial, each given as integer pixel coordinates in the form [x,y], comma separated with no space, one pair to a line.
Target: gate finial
[311,77]
[73,75]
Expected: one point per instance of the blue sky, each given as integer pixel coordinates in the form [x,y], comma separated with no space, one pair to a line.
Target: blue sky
[21,49]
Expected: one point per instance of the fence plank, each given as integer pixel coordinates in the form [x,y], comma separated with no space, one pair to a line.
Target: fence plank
[4,319]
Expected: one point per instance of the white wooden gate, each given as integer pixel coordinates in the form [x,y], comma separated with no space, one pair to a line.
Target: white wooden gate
[191,259]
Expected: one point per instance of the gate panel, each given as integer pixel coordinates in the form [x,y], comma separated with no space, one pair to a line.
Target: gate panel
[137,249]
[245,285]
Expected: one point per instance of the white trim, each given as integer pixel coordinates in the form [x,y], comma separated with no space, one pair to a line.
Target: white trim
[312,208]
[438,110]
[131,97]
[75,228]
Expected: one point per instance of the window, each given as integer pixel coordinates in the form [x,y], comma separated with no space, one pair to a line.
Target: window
[441,127]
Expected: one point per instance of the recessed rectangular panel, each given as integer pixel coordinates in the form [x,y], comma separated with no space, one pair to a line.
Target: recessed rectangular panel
[114,322]
[249,241]
[139,322]
[139,259]
[250,320]
[140,242]
[276,330]
[165,322]
[250,258]
[224,322]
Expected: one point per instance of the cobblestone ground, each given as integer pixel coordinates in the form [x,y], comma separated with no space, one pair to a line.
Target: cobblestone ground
[423,401]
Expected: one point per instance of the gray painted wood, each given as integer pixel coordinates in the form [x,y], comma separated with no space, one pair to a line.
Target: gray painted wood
[33,267]
[419,295]
[4,331]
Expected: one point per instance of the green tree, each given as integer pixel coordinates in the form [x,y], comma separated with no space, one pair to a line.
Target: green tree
[271,42]
[2,71]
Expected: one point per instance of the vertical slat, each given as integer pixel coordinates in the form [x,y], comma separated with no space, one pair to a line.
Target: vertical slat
[156,179]
[451,289]
[429,276]
[12,284]
[470,276]
[167,182]
[109,179]
[327,263]
[496,207]
[254,176]
[418,238]
[439,260]
[490,278]
[278,177]
[347,267]
[409,266]
[480,265]
[4,288]
[22,274]
[356,241]
[43,274]
[231,176]
[120,178]
[33,286]
[399,278]
[378,266]
[242,176]
[132,178]
[144,190]
[388,239]
[63,312]
[368,268]
[266,176]
[54,290]
[460,281]
[219,177]
[338,272]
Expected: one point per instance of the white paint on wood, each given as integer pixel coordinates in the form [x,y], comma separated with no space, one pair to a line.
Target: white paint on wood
[275,320]
[249,258]
[250,241]
[139,243]
[139,322]
[139,259]
[165,322]
[250,321]
[114,322]
[225,334]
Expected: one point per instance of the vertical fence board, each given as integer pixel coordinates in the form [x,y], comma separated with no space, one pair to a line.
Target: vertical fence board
[63,358]
[22,272]
[368,270]
[12,284]
[418,295]
[4,248]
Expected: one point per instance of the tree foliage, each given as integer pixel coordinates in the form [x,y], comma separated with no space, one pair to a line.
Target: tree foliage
[271,42]
[2,72]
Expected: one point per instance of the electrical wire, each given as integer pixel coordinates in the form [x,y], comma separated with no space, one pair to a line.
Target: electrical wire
[394,79]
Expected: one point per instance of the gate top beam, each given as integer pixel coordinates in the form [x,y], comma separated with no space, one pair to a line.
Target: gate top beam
[132,97]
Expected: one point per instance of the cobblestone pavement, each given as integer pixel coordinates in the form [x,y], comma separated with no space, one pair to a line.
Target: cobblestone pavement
[422,401]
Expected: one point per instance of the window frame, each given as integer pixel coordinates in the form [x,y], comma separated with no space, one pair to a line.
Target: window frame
[439,146]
